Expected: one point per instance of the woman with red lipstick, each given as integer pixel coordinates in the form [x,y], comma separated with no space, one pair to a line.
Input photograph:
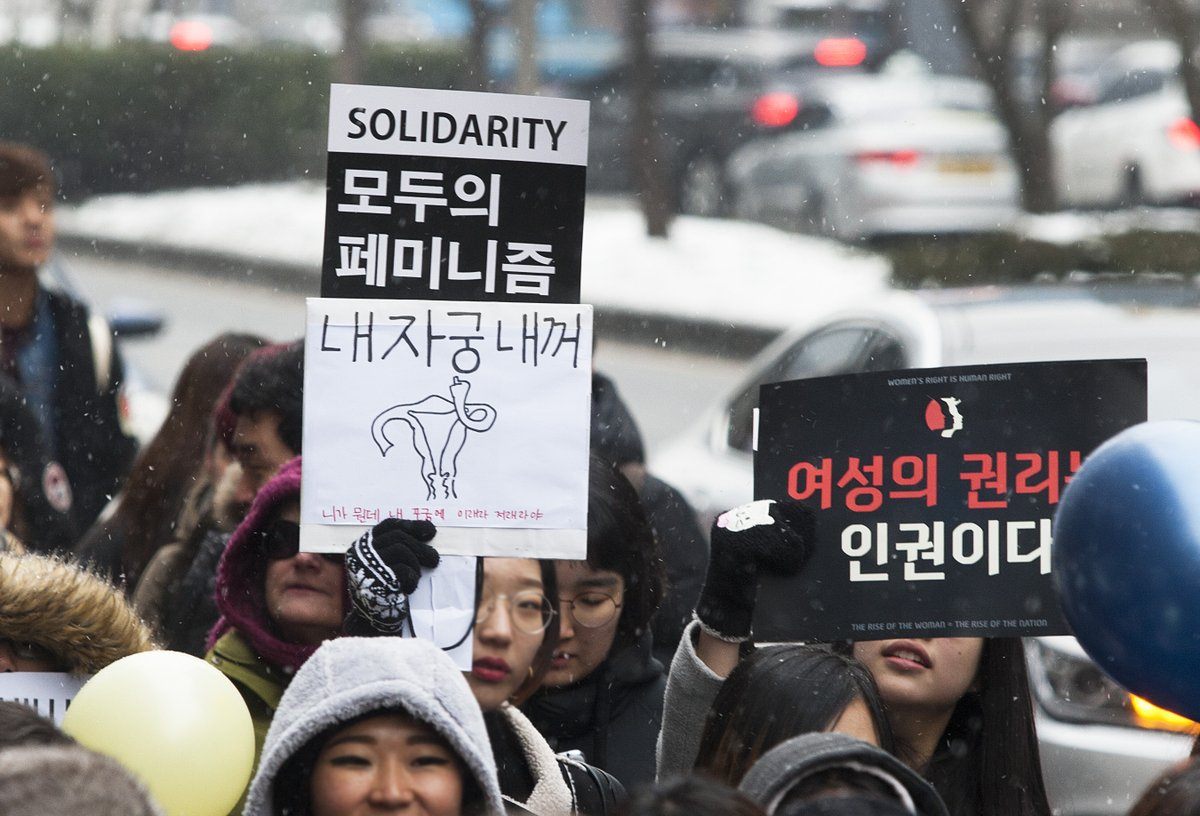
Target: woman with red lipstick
[959,708]
[603,693]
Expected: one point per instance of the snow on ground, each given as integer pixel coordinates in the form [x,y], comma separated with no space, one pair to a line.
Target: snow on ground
[708,269]
[1075,227]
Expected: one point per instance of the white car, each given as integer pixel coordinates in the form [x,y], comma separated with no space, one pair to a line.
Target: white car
[1098,751]
[876,155]
[1138,144]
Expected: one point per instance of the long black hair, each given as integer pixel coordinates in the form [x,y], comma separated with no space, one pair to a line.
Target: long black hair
[779,692]
[987,762]
[620,540]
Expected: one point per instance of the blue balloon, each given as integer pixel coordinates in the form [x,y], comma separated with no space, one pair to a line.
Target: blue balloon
[1127,561]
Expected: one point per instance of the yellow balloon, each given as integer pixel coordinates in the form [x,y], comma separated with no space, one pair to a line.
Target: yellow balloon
[176,723]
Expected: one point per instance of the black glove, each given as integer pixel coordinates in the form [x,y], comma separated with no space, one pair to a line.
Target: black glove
[759,537]
[382,569]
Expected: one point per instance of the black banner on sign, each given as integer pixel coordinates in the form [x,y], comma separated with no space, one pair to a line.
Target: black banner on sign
[439,228]
[935,492]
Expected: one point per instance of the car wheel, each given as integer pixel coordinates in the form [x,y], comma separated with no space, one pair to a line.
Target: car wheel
[702,187]
[1132,194]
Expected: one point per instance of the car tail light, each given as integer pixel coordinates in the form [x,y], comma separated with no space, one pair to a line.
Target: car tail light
[1184,134]
[775,110]
[896,158]
[191,35]
[840,52]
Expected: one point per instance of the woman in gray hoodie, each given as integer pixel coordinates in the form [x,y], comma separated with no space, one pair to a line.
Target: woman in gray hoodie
[373,720]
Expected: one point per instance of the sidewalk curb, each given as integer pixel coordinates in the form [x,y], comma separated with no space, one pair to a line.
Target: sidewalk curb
[612,323]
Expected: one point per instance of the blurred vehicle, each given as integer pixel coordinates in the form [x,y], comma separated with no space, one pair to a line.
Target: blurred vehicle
[1138,143]
[1078,62]
[873,154]
[1100,746]
[716,90]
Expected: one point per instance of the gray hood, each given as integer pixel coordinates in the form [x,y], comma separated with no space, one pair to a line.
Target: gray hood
[349,677]
[783,767]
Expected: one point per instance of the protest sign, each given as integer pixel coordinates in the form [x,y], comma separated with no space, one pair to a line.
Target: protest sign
[473,416]
[934,492]
[47,693]
[451,195]
[442,608]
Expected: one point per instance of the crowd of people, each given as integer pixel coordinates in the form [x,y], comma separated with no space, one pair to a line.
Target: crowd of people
[626,682]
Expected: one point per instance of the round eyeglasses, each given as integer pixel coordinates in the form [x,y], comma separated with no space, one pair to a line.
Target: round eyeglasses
[592,610]
[530,611]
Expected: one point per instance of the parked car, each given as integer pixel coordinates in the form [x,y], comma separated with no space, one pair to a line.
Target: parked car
[875,155]
[716,90]
[1138,144]
[1098,752]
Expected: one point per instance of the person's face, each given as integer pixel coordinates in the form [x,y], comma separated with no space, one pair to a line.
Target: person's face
[305,593]
[18,656]
[26,229]
[259,451]
[584,592]
[386,764]
[856,721]
[503,653]
[926,675]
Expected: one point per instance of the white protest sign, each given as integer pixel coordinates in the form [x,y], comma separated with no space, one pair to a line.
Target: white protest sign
[475,416]
[442,607]
[47,693]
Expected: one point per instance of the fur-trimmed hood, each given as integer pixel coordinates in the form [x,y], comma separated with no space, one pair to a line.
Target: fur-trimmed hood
[75,614]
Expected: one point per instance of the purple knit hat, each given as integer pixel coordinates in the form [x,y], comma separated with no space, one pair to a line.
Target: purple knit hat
[242,571]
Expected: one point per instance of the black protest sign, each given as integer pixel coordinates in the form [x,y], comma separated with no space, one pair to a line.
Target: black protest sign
[448,195]
[934,491]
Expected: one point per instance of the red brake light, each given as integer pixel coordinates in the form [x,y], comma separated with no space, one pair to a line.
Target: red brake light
[1184,134]
[191,35]
[899,158]
[840,52]
[775,109]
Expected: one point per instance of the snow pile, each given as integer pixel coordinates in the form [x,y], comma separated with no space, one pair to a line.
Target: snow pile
[708,269]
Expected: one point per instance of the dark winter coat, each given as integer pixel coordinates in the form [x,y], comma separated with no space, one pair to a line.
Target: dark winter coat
[189,608]
[89,441]
[534,779]
[612,716]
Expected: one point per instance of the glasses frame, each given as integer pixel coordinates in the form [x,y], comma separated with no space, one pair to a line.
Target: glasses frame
[570,602]
[488,606]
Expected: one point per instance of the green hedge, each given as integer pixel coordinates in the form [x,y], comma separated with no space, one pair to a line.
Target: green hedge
[966,260]
[146,117]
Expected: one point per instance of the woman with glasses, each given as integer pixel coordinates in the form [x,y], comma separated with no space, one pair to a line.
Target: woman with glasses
[515,634]
[603,693]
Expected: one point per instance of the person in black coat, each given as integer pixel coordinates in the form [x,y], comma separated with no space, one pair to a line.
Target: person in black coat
[603,693]
[65,361]
[684,547]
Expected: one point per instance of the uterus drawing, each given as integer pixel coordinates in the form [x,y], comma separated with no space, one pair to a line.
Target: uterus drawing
[439,428]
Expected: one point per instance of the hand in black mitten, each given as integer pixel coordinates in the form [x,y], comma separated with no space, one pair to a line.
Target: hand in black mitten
[759,537]
[383,567]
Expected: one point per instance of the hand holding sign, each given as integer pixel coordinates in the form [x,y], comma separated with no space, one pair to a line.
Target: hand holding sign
[383,568]
[1127,561]
[762,536]
[176,723]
